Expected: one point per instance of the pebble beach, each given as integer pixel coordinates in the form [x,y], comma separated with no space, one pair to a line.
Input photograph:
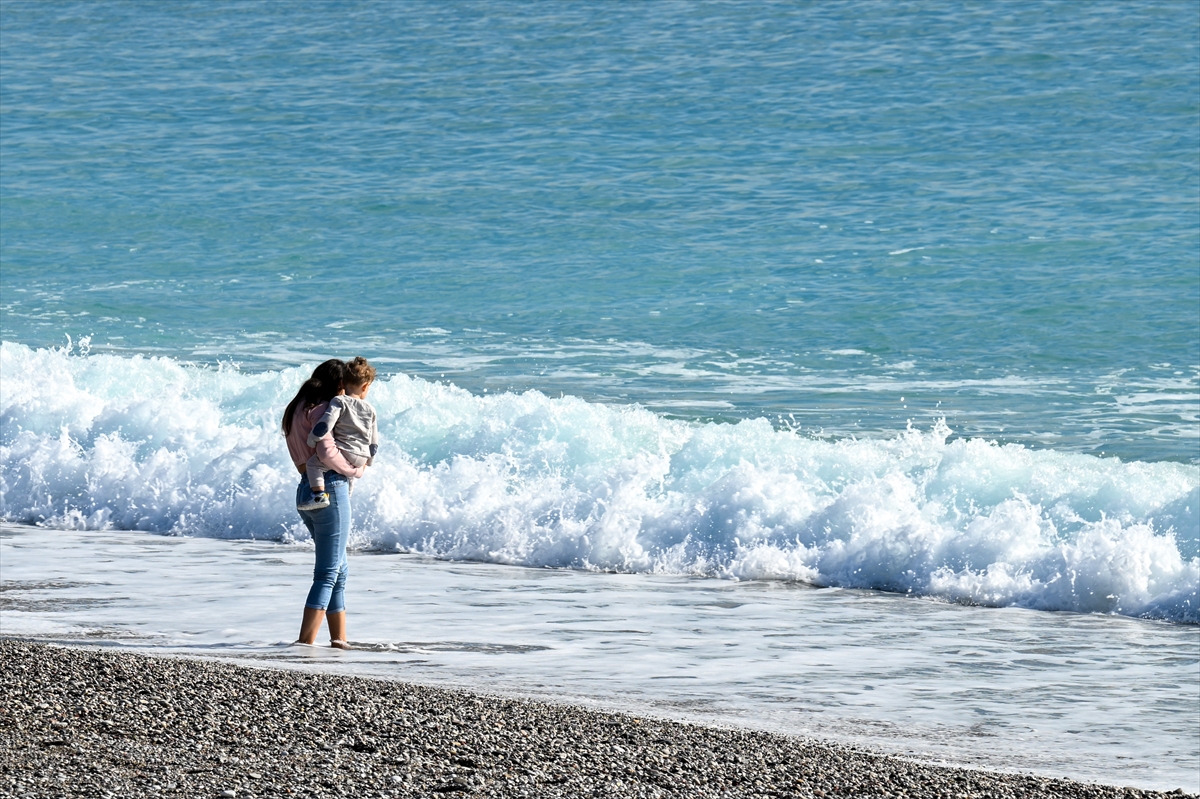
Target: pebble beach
[104,723]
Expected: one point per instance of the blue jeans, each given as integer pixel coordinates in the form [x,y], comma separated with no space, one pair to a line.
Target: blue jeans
[330,530]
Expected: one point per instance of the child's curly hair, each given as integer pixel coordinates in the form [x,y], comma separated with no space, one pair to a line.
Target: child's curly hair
[359,372]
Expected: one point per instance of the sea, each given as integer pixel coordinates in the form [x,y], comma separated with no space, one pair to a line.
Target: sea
[828,368]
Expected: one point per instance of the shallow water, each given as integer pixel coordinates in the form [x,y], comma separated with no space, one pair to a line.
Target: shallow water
[1093,697]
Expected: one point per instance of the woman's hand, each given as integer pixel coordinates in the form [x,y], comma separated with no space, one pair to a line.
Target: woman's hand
[332,458]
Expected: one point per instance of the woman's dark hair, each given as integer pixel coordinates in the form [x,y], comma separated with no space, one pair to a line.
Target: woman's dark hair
[325,383]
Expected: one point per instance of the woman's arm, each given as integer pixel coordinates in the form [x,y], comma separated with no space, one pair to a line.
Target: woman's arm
[302,424]
[332,458]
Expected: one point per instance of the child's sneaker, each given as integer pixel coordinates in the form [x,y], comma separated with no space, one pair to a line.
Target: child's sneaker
[319,500]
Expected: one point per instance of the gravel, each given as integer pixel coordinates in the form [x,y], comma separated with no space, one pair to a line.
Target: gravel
[82,722]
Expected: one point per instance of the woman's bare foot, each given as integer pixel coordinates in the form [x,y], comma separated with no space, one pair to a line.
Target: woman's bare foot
[338,643]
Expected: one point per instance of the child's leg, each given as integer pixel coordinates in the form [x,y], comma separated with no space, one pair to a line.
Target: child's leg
[316,474]
[316,483]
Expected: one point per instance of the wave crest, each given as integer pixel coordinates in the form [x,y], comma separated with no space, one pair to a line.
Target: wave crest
[101,441]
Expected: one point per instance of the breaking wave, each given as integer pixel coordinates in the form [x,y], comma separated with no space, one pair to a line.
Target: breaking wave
[103,441]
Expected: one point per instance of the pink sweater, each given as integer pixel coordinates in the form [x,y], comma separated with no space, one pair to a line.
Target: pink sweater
[298,448]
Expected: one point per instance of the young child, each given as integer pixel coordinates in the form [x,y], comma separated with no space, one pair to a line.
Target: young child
[350,419]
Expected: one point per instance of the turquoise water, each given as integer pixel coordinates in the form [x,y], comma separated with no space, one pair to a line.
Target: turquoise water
[680,297]
[658,288]
[837,216]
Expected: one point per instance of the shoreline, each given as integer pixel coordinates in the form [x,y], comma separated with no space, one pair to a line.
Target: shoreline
[86,722]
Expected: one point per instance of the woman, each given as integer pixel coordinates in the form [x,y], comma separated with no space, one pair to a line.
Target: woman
[329,526]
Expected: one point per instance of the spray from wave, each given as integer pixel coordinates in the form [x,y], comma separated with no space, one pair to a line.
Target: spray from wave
[102,441]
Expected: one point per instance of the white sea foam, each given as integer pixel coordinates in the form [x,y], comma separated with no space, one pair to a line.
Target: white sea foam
[103,441]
